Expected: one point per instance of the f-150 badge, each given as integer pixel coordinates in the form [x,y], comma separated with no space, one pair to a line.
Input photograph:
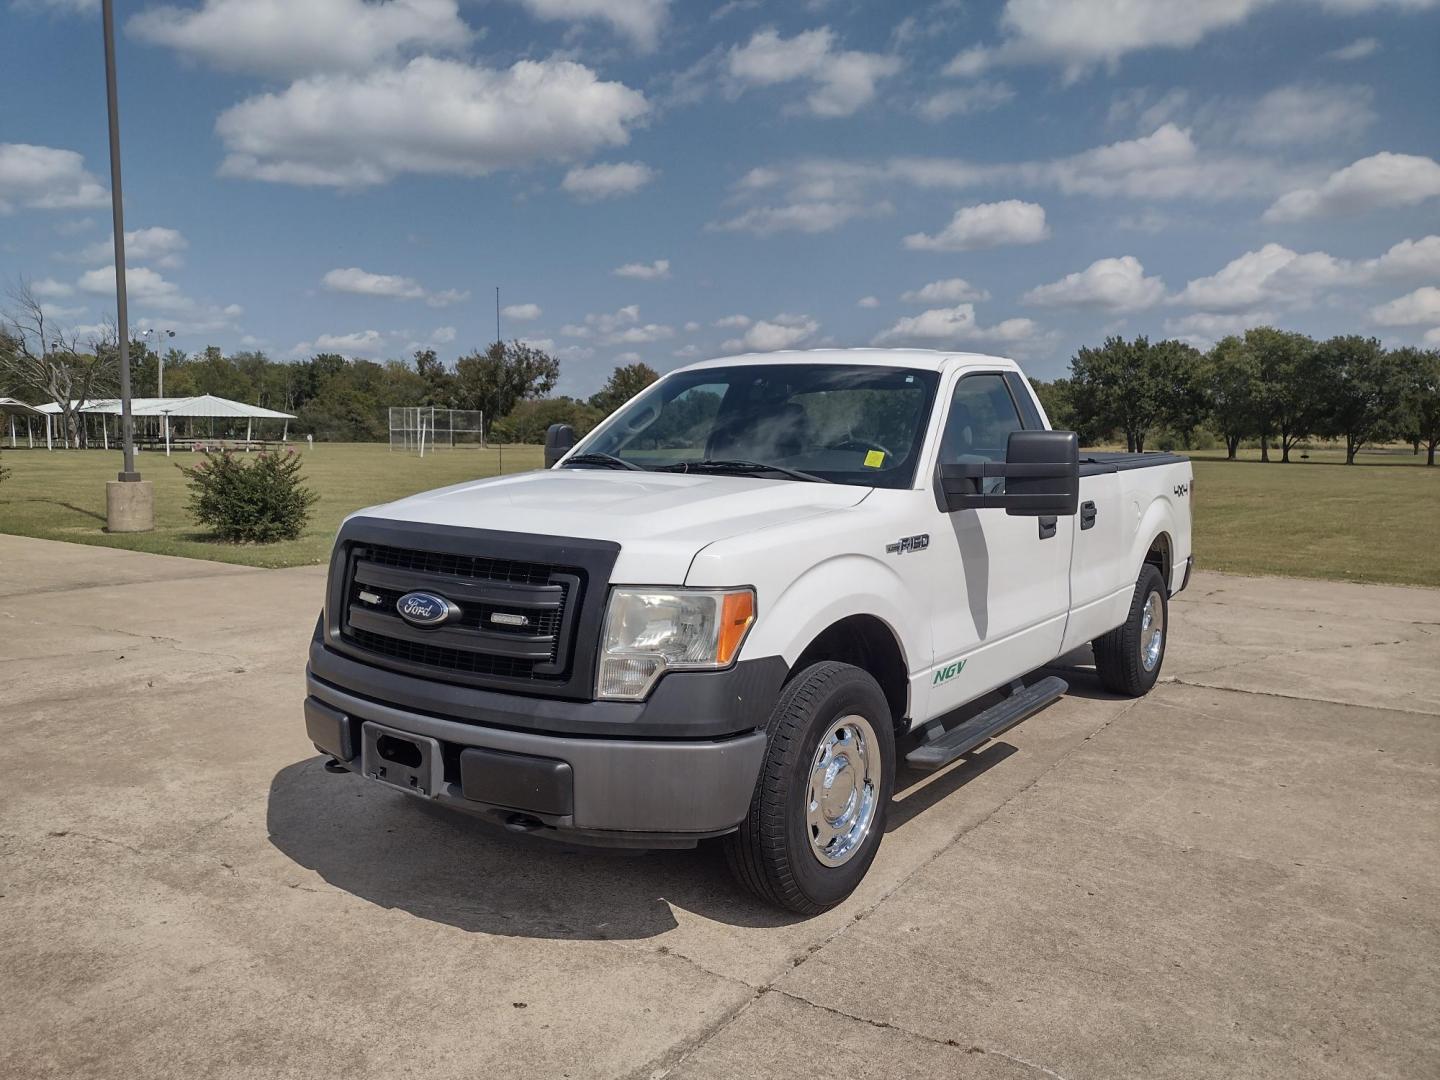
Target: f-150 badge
[907,544]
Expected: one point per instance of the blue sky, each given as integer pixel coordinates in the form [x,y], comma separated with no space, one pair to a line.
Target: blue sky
[667,180]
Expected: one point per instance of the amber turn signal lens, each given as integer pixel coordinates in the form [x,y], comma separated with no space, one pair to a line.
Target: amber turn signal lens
[736,615]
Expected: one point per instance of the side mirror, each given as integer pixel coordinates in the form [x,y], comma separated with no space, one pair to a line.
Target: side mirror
[559,438]
[1041,471]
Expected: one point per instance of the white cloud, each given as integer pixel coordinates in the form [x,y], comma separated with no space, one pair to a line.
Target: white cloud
[1300,114]
[157,245]
[142,286]
[368,344]
[1419,308]
[1409,259]
[950,291]
[521,312]
[986,225]
[652,271]
[1203,328]
[1272,275]
[1114,285]
[50,289]
[1358,49]
[1079,35]
[442,335]
[953,327]
[769,335]
[282,37]
[963,100]
[1432,337]
[691,326]
[352,279]
[622,327]
[44,178]
[589,183]
[639,20]
[429,116]
[868,302]
[805,217]
[842,82]
[446,297]
[685,352]
[733,322]
[627,358]
[1381,180]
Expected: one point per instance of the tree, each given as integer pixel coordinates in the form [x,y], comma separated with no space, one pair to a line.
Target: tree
[1419,375]
[1232,382]
[439,384]
[1180,392]
[49,363]
[526,423]
[623,384]
[504,374]
[1286,392]
[1356,390]
[1115,387]
[1055,400]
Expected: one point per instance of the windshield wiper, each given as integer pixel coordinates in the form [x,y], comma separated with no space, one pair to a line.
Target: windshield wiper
[608,461]
[711,465]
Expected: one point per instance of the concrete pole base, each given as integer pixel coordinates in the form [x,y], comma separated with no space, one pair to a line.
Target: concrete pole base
[129,506]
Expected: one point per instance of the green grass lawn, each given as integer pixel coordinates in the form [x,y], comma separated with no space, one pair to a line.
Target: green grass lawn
[1376,521]
[61,495]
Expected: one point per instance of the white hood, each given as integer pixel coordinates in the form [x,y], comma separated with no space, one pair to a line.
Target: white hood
[660,520]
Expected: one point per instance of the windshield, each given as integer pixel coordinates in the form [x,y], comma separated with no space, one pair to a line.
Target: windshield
[845,423]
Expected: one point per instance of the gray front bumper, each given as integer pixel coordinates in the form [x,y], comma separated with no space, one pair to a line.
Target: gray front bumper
[626,792]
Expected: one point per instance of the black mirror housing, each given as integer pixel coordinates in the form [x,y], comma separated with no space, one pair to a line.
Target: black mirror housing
[559,439]
[1041,471]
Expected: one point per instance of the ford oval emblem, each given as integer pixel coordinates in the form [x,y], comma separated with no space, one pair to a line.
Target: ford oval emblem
[425,609]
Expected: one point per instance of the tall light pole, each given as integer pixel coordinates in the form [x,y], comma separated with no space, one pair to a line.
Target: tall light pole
[129,501]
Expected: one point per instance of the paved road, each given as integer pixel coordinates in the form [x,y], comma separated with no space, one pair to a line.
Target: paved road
[1236,876]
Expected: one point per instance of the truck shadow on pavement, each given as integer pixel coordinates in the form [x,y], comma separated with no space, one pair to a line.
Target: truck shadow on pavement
[443,865]
[448,867]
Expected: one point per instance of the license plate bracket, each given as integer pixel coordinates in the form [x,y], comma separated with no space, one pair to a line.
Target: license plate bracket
[409,762]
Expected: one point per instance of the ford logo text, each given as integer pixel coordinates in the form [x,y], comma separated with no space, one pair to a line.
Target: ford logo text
[425,609]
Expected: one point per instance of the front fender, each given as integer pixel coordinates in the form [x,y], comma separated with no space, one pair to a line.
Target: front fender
[834,589]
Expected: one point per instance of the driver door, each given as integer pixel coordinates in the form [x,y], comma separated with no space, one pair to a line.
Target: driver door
[1000,602]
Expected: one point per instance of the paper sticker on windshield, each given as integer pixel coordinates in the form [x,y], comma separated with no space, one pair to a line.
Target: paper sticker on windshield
[874,459]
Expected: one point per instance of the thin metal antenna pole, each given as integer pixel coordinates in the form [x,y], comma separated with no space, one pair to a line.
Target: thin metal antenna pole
[112,97]
[497,313]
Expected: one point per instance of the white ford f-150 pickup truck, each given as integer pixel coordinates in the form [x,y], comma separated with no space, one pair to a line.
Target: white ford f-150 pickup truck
[727,610]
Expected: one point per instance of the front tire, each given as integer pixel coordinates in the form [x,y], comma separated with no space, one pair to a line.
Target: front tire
[1128,658]
[818,812]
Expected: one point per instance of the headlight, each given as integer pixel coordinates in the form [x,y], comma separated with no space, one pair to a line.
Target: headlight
[651,631]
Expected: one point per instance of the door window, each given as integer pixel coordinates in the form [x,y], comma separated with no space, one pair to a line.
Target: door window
[982,416]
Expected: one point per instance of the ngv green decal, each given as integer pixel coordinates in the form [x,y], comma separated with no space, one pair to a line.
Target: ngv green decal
[948,672]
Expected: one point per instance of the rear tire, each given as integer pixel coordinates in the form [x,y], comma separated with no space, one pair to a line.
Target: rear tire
[1128,658]
[818,812]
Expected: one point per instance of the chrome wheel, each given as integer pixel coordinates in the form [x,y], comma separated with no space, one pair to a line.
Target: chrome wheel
[844,789]
[1152,631]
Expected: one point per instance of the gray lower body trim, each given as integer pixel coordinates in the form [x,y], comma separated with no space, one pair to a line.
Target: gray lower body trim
[662,791]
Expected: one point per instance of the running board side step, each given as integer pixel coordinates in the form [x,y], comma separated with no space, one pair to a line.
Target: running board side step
[1022,704]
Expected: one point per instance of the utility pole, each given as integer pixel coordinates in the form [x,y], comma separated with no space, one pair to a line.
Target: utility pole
[129,501]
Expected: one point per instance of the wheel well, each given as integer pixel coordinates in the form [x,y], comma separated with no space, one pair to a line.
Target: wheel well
[1159,557]
[867,643]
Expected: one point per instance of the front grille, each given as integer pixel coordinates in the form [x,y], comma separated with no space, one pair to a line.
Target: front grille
[471,646]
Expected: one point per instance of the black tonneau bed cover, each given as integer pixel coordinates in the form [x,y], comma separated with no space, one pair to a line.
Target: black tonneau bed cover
[1097,464]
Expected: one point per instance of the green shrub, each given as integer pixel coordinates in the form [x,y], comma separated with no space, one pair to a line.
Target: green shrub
[258,502]
[4,472]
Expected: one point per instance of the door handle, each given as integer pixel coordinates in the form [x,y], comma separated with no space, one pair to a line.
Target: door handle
[1047,527]
[1088,511]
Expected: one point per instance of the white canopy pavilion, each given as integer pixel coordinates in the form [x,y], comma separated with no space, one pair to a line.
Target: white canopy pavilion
[203,405]
[12,408]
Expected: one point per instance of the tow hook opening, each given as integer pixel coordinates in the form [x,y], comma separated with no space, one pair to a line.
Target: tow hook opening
[523,823]
[400,751]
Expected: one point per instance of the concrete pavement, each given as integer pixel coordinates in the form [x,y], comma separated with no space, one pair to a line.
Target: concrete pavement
[1236,875]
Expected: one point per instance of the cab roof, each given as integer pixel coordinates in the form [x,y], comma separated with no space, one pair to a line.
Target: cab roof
[921,359]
